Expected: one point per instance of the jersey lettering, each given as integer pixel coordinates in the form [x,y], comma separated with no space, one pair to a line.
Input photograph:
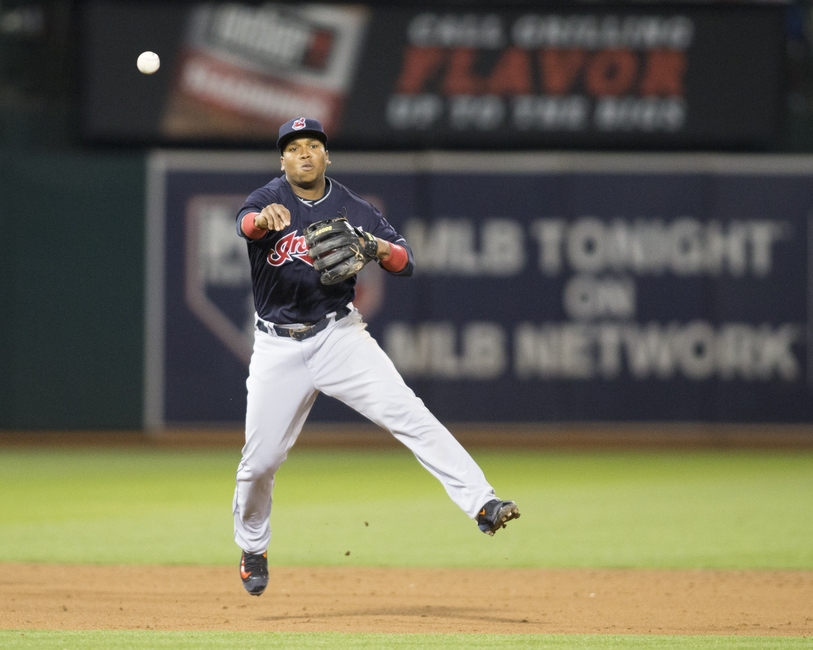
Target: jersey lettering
[288,248]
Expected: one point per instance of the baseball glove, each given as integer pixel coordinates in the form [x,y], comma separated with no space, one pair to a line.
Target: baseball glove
[337,253]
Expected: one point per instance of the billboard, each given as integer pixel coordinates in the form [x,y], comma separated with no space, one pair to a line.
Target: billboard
[600,75]
[549,287]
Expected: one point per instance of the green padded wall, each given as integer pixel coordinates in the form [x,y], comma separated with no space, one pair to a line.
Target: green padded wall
[71,277]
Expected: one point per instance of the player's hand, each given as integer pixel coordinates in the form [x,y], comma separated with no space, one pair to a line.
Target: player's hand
[371,245]
[382,247]
[273,217]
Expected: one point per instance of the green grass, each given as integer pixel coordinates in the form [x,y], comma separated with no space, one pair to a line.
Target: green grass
[710,509]
[296,641]
[630,509]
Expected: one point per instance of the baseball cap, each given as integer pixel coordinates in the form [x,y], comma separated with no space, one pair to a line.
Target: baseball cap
[299,127]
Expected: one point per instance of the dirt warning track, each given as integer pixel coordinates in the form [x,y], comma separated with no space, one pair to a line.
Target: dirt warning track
[530,601]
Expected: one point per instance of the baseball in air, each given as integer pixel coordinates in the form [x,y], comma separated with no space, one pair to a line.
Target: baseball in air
[148,62]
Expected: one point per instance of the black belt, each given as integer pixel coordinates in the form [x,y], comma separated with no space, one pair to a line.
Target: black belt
[302,333]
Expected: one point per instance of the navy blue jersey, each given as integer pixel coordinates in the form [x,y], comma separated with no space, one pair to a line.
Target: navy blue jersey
[287,289]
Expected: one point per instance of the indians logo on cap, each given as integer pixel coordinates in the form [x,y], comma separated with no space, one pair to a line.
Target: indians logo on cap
[301,123]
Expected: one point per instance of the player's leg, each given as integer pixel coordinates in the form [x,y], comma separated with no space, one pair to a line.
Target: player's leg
[353,368]
[280,396]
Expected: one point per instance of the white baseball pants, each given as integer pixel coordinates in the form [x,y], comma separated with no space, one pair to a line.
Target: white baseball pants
[345,362]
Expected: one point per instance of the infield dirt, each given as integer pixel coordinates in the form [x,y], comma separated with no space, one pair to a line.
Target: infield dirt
[530,601]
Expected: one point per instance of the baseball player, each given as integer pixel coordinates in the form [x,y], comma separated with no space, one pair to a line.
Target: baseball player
[307,238]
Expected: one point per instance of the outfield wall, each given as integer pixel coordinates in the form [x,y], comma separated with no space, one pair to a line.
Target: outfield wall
[550,287]
[71,290]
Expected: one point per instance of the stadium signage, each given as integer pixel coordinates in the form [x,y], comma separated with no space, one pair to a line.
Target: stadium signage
[562,288]
[608,75]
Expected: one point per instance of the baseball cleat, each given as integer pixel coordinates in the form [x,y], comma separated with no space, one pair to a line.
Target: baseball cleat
[494,515]
[254,572]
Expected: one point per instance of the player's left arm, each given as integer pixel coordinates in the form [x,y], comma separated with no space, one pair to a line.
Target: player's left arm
[393,253]
[395,257]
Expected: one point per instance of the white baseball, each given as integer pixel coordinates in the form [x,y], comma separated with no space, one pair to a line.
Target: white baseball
[148,62]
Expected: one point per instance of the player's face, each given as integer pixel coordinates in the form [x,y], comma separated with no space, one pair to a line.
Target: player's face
[304,161]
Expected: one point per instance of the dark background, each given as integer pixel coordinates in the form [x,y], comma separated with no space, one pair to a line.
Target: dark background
[204,378]
[72,206]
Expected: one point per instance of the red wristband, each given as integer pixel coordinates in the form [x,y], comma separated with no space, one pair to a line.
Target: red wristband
[398,259]
[248,227]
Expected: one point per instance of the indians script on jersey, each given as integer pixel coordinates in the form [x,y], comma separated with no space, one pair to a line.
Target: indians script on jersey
[287,248]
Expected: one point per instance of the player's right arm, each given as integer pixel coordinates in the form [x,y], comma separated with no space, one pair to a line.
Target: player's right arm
[274,216]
